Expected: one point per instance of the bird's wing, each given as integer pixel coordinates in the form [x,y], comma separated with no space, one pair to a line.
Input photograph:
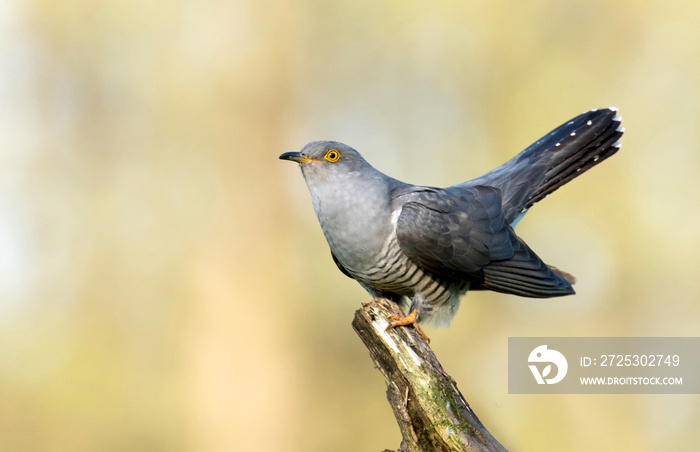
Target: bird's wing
[460,233]
[451,232]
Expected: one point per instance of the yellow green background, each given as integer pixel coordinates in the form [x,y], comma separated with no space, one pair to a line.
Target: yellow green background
[165,286]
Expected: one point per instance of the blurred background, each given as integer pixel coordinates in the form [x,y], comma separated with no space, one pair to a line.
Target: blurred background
[164,283]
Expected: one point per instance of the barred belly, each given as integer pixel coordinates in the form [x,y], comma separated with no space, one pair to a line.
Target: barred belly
[394,274]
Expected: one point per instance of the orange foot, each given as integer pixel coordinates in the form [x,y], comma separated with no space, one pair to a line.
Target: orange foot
[408,320]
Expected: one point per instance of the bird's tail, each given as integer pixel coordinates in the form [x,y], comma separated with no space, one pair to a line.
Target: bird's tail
[560,156]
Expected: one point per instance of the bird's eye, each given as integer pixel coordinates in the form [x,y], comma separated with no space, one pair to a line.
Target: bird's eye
[332,155]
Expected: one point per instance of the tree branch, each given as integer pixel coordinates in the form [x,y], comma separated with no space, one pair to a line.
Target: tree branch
[431,412]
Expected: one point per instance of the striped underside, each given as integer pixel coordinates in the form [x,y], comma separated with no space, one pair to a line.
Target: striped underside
[435,298]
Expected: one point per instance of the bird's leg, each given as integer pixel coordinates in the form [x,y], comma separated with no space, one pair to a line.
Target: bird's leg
[410,319]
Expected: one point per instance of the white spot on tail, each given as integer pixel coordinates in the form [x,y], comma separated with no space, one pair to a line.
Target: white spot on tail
[620,129]
[617,145]
[613,108]
[617,118]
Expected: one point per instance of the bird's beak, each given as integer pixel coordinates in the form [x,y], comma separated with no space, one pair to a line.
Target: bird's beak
[295,157]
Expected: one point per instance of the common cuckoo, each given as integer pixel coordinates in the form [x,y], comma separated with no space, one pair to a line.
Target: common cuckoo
[431,245]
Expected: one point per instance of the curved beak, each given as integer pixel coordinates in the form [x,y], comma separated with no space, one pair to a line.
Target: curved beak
[295,157]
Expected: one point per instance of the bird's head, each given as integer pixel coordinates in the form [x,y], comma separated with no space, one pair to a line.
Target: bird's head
[329,161]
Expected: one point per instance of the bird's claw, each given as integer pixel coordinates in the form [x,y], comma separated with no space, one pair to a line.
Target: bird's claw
[410,319]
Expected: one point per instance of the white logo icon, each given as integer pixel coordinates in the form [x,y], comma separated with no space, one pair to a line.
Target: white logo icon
[542,355]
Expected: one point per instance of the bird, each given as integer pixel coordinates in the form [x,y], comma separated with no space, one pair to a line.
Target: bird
[424,247]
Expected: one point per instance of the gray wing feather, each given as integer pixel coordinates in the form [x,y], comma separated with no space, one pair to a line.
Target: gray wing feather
[453,232]
[461,234]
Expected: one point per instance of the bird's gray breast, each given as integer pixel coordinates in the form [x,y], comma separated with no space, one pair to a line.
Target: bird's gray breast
[356,220]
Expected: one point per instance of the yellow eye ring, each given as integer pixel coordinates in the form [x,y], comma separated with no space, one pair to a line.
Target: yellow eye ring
[332,155]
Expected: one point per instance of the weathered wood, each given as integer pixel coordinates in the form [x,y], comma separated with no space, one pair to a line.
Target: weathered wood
[431,412]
